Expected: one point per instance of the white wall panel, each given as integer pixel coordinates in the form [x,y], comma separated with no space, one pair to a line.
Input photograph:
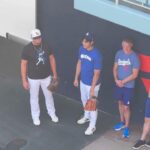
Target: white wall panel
[17,17]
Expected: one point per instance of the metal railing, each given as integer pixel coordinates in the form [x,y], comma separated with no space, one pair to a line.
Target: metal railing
[144,4]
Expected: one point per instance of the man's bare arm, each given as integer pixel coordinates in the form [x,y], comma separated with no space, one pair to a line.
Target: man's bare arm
[133,76]
[94,82]
[115,71]
[95,78]
[77,74]
[78,70]
[115,74]
[25,83]
[53,65]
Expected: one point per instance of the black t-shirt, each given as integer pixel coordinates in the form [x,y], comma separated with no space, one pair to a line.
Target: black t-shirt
[38,60]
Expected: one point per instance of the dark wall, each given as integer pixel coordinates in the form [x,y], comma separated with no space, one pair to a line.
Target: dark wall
[64,27]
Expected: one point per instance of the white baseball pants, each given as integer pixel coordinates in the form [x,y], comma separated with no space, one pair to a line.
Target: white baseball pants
[85,95]
[34,97]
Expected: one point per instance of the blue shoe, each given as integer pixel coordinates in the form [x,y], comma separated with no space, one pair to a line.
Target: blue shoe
[126,133]
[119,126]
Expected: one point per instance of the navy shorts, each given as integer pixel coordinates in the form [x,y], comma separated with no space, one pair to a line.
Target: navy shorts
[147,108]
[124,94]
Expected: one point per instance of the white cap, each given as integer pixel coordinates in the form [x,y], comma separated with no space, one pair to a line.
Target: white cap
[35,33]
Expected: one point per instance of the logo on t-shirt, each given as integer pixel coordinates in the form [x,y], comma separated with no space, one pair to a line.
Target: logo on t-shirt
[40,57]
[124,63]
[83,56]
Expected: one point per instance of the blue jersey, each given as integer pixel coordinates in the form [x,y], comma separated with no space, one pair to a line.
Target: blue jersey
[90,61]
[126,64]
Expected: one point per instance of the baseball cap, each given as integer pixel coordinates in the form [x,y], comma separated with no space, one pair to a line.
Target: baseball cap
[36,33]
[89,37]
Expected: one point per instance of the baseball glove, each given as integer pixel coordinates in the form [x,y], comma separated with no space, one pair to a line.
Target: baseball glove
[91,104]
[53,85]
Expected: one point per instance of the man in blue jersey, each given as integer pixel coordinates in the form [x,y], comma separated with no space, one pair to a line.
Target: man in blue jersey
[126,69]
[89,68]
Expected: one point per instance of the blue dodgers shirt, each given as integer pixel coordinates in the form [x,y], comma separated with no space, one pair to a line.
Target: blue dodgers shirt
[126,64]
[90,61]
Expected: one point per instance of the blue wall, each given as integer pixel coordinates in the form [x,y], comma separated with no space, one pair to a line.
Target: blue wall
[63,27]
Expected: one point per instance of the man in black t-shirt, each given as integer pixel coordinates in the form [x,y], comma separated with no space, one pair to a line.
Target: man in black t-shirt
[36,65]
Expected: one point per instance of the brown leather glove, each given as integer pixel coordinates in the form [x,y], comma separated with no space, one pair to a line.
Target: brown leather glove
[53,85]
[91,104]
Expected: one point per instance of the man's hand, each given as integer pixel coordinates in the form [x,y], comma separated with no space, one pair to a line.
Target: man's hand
[53,66]
[76,83]
[131,77]
[119,83]
[55,77]
[124,82]
[26,85]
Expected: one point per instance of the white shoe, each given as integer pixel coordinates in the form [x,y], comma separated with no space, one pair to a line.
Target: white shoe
[90,131]
[55,119]
[83,120]
[36,122]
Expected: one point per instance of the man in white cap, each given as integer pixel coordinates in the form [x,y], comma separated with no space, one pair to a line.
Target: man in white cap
[36,65]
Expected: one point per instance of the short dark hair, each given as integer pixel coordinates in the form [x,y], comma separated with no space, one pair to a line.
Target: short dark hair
[128,40]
